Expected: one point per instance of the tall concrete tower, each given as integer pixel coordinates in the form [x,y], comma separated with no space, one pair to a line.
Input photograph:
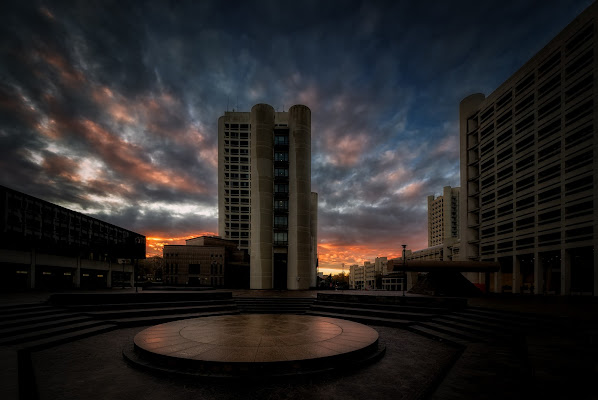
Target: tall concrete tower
[264,194]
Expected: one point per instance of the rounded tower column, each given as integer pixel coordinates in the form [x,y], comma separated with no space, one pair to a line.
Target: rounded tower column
[299,265]
[467,108]
[313,227]
[262,187]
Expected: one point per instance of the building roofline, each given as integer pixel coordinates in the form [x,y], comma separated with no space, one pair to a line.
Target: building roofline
[543,52]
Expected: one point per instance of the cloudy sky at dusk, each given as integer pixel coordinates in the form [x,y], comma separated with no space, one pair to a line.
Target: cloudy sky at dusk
[110,108]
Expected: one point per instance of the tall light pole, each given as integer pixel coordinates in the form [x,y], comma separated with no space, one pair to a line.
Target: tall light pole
[404,265]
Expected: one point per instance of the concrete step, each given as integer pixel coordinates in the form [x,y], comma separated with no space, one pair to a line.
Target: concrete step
[393,322]
[389,307]
[438,336]
[476,330]
[55,340]
[27,313]
[273,305]
[285,305]
[24,328]
[515,316]
[160,319]
[410,316]
[66,299]
[496,326]
[449,303]
[273,301]
[273,310]
[36,319]
[130,313]
[496,319]
[10,308]
[48,332]
[453,331]
[146,305]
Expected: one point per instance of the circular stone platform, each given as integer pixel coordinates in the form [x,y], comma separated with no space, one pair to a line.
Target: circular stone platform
[254,345]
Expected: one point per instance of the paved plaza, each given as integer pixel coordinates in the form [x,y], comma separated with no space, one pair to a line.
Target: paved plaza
[553,363]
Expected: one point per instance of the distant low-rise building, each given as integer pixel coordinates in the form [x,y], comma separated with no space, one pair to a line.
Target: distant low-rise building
[206,261]
[365,276]
[381,264]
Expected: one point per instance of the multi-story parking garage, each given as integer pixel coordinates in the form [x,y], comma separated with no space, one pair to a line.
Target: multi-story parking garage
[529,170]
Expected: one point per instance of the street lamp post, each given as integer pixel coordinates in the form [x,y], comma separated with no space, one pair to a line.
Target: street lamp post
[404,272]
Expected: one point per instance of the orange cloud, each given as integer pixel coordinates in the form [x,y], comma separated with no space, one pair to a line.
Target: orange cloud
[69,75]
[64,167]
[412,190]
[151,113]
[126,158]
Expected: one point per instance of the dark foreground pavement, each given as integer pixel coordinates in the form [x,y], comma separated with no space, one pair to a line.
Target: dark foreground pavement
[93,368]
[543,364]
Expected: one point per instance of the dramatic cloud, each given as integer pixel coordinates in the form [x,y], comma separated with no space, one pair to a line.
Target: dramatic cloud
[111,108]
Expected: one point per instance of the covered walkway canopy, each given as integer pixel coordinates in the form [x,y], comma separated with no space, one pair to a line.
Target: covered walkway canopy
[455,266]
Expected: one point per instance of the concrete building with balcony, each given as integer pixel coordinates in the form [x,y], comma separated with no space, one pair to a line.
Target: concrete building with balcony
[265,201]
[529,169]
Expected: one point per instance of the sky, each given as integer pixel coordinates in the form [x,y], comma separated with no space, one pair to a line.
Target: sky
[110,108]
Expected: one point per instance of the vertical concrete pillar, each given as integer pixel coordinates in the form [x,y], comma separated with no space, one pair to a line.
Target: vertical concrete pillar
[32,270]
[411,280]
[467,108]
[565,272]
[78,273]
[109,276]
[262,188]
[313,226]
[516,274]
[498,280]
[299,266]
[132,268]
[538,274]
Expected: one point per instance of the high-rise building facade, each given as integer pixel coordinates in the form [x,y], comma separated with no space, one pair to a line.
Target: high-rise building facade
[443,228]
[529,169]
[264,194]
[443,217]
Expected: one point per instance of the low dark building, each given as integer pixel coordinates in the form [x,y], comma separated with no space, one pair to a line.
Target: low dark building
[46,246]
[207,261]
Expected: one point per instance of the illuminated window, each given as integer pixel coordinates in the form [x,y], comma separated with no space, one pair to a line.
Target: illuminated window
[281,156]
[284,172]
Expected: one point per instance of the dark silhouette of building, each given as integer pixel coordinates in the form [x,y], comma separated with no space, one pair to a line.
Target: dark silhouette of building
[46,246]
